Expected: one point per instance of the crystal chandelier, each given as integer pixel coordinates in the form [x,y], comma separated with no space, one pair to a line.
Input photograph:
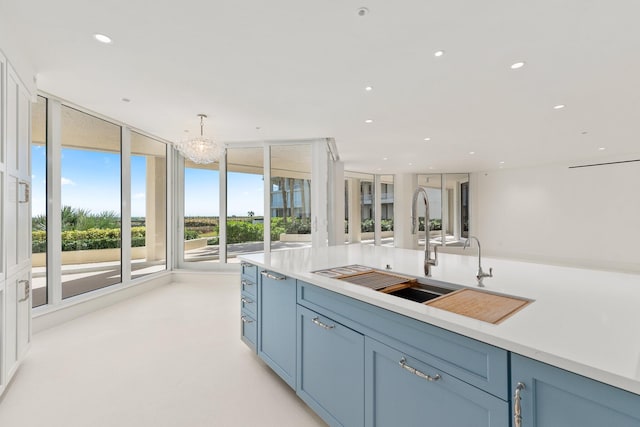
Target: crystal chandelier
[200,150]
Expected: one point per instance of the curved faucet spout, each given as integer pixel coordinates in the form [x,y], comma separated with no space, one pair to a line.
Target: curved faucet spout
[428,261]
[481,274]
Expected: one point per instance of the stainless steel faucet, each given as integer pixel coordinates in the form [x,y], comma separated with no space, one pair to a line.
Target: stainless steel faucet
[481,274]
[428,262]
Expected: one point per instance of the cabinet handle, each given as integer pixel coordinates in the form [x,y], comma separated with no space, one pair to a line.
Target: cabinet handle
[244,264]
[27,288]
[517,408]
[272,276]
[322,325]
[246,301]
[414,371]
[245,283]
[246,319]
[26,193]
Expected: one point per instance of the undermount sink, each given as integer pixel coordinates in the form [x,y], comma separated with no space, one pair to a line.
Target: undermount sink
[420,292]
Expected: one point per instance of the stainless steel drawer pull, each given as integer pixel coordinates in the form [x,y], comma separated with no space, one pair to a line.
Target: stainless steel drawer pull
[246,319]
[272,276]
[245,283]
[414,371]
[25,193]
[246,301]
[245,264]
[322,325]
[517,408]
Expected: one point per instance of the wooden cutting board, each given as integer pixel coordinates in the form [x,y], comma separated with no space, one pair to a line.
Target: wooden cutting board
[379,280]
[479,305]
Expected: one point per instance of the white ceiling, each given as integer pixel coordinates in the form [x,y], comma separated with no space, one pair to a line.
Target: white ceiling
[298,69]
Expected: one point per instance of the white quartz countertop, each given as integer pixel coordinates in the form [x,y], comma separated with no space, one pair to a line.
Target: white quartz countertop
[584,321]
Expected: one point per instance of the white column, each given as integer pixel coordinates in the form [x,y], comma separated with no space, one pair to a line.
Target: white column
[125,201]
[319,190]
[267,198]
[355,211]
[336,206]
[404,185]
[222,216]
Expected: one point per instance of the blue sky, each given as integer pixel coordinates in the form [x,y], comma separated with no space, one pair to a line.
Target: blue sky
[91,180]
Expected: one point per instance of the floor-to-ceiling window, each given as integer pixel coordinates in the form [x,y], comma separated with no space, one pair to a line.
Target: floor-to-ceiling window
[148,205]
[91,203]
[290,198]
[201,222]
[433,184]
[245,201]
[360,207]
[386,210]
[39,201]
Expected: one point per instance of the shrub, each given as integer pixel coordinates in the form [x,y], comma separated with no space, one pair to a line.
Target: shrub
[93,238]
[241,231]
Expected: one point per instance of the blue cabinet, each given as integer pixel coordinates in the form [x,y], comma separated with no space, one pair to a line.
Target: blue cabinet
[277,324]
[404,391]
[549,397]
[331,369]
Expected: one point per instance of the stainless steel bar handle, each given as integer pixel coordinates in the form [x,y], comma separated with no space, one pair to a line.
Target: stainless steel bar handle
[246,319]
[272,276]
[26,193]
[27,288]
[245,283]
[244,264]
[414,371]
[517,408]
[246,300]
[322,325]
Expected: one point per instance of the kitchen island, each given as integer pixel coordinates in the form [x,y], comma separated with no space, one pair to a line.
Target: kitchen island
[583,322]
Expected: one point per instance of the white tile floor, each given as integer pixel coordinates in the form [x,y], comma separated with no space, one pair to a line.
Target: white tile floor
[170,357]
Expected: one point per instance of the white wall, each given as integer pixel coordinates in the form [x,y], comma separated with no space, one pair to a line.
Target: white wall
[14,53]
[587,217]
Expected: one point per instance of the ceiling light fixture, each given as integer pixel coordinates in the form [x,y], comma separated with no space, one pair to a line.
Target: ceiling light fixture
[517,65]
[368,121]
[502,162]
[438,53]
[559,107]
[602,148]
[368,88]
[102,38]
[472,152]
[427,139]
[200,150]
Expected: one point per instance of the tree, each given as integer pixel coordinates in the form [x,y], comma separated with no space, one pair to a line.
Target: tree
[251,213]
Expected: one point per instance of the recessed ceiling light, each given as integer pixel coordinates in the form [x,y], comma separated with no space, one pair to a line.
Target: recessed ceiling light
[584,132]
[126,100]
[602,148]
[368,121]
[517,65]
[410,164]
[558,107]
[368,88]
[438,53]
[472,152]
[427,139]
[102,38]
[379,169]
[502,162]
[430,167]
[385,158]
[362,11]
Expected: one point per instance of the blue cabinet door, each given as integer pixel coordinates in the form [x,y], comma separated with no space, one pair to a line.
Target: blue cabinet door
[403,391]
[331,369]
[551,397]
[277,324]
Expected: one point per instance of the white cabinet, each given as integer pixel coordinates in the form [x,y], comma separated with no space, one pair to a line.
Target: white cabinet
[15,222]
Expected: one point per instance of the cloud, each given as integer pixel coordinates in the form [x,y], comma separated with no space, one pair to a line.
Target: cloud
[138,196]
[66,181]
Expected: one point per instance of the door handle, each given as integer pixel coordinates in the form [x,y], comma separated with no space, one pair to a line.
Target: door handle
[517,407]
[26,193]
[27,290]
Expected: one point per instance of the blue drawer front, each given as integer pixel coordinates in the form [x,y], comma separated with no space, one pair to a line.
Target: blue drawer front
[249,271]
[249,330]
[249,287]
[398,396]
[474,362]
[249,304]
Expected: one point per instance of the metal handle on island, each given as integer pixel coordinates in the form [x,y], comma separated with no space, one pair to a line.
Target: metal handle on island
[272,276]
[322,325]
[246,319]
[517,408]
[414,371]
[246,300]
